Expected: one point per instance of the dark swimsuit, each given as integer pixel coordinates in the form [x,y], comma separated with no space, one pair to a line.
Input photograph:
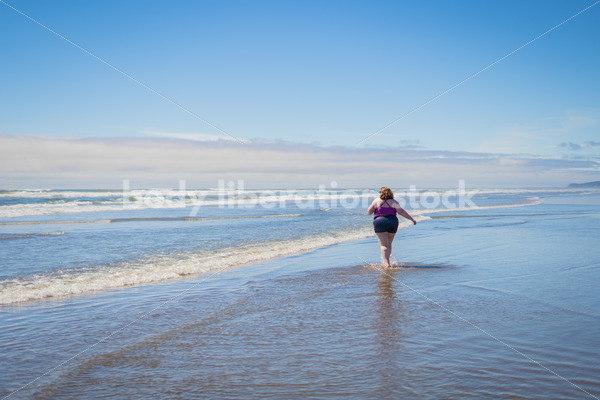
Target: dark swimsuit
[385,219]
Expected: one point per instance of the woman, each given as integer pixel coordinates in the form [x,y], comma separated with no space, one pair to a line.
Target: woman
[386,222]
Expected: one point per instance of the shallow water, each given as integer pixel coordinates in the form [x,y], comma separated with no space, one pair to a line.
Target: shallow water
[495,303]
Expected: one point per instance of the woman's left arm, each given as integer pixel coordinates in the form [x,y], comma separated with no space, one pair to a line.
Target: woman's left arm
[403,212]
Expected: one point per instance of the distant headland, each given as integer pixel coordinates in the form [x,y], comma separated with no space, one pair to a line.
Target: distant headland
[595,184]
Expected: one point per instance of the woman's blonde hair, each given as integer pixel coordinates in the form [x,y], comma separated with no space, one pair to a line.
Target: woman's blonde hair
[386,193]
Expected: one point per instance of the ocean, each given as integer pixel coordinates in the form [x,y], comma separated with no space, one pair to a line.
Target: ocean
[235,293]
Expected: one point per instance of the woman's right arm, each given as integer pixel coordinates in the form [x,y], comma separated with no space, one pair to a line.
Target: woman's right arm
[372,207]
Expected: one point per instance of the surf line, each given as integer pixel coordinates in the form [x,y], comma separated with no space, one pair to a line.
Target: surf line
[478,328]
[165,219]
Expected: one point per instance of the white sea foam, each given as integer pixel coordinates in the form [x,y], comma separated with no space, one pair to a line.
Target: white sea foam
[54,202]
[70,202]
[156,269]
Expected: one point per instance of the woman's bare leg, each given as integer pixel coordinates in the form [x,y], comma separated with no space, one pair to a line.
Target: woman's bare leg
[385,242]
[390,240]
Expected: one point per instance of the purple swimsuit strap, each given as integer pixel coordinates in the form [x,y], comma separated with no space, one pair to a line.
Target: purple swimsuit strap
[381,210]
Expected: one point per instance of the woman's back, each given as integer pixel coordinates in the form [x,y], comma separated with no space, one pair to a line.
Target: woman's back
[385,207]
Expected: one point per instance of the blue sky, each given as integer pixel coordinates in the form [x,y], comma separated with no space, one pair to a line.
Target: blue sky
[318,75]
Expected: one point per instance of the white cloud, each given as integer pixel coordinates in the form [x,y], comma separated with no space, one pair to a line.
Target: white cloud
[199,137]
[66,162]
